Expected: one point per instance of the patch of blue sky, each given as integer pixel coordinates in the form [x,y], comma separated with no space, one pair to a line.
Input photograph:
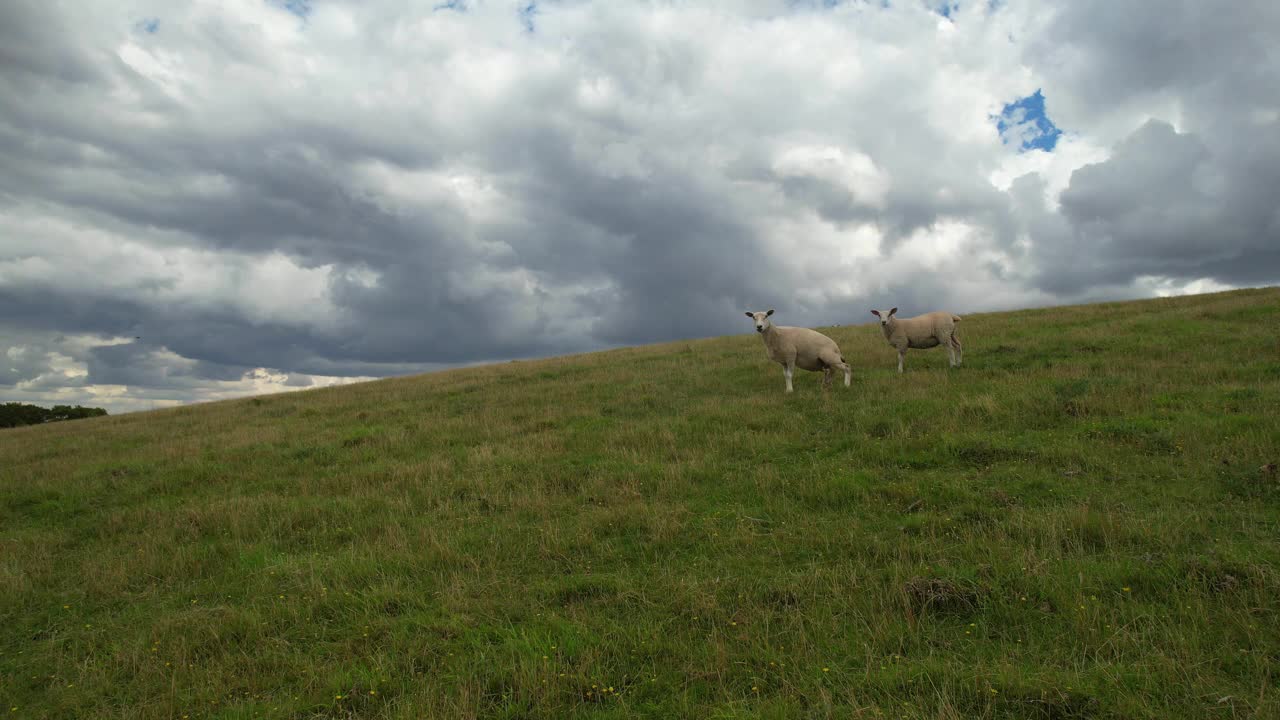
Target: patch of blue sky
[1024,122]
[301,8]
[949,8]
[149,26]
[824,4]
[834,6]
[528,11]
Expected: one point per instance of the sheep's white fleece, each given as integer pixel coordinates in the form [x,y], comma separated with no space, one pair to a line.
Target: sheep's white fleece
[797,347]
[922,332]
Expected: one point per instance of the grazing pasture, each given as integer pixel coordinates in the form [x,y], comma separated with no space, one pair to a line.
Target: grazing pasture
[1082,521]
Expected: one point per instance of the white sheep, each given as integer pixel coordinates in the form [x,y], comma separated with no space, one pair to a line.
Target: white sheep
[794,347]
[922,331]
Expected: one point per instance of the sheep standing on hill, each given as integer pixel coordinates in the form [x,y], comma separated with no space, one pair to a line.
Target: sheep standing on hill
[922,331]
[794,347]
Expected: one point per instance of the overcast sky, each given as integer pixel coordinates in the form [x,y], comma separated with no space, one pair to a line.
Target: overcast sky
[215,198]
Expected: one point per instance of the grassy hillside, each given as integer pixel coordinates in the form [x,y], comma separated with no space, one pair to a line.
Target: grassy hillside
[1081,522]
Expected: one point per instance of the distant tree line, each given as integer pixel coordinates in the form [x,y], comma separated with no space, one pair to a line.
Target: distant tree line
[13,414]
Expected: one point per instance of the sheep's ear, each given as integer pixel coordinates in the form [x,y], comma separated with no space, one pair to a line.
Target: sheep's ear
[876,313]
[751,314]
[768,313]
[893,311]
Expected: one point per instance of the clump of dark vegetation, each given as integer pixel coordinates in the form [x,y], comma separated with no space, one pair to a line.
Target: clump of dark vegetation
[13,414]
[940,596]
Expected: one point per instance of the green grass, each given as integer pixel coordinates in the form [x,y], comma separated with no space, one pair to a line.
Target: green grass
[1078,523]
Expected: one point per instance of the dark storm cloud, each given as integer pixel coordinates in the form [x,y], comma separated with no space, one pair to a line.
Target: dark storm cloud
[1193,202]
[61,309]
[272,193]
[141,365]
[223,345]
[1167,205]
[676,256]
[1111,54]
[22,363]
[26,50]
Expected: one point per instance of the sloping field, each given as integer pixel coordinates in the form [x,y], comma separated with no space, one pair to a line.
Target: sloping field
[1081,522]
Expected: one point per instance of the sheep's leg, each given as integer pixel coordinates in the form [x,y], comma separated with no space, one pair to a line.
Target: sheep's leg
[833,361]
[955,342]
[951,352]
[901,354]
[786,372]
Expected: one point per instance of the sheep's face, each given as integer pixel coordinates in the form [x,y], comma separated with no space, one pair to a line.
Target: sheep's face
[761,319]
[884,315]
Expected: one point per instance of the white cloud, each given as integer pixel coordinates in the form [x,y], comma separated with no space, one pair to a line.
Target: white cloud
[1055,168]
[269,288]
[852,171]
